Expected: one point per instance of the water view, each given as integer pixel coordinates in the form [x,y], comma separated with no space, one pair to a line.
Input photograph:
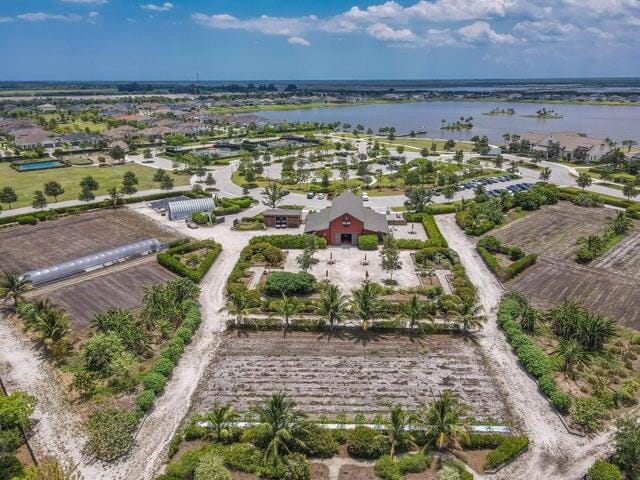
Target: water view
[618,123]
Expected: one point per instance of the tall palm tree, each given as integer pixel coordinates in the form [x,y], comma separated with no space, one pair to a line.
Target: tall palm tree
[13,286]
[466,312]
[573,356]
[396,430]
[620,224]
[286,307]
[414,311]
[221,418]
[332,304]
[238,305]
[446,421]
[284,425]
[365,303]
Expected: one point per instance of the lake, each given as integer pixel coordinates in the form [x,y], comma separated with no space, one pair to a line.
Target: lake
[598,121]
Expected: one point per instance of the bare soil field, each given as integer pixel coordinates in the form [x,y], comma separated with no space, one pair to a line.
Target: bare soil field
[348,372]
[110,288]
[27,247]
[609,285]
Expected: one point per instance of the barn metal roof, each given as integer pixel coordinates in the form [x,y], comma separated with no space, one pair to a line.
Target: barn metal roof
[190,206]
[349,203]
[78,265]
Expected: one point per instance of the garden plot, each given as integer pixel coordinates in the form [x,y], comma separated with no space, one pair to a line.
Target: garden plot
[348,373]
[28,247]
[121,286]
[347,271]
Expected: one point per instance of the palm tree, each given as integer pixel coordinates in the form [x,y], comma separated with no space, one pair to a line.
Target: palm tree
[545,174]
[284,425]
[466,312]
[365,303]
[396,430]
[414,311]
[446,421]
[573,356]
[331,305]
[52,324]
[620,224]
[13,286]
[221,418]
[238,305]
[287,307]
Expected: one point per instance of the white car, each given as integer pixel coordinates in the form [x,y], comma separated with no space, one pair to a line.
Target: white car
[365,197]
[320,196]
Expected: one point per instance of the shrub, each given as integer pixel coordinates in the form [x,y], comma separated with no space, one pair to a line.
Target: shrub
[185,465]
[289,283]
[163,366]
[601,470]
[145,400]
[200,218]
[587,413]
[448,473]
[27,220]
[319,442]
[387,468]
[154,381]
[368,242]
[10,467]
[413,463]
[243,457]
[10,440]
[510,448]
[169,261]
[436,239]
[296,467]
[366,443]
[633,211]
[109,432]
[211,467]
[100,351]
[482,441]
[288,241]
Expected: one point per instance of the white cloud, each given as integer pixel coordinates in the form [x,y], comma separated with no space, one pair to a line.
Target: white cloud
[544,30]
[482,32]
[382,31]
[298,41]
[6,19]
[289,27]
[43,17]
[165,7]
[459,10]
[87,2]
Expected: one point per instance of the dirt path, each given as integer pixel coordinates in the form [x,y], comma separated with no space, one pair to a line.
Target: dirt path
[554,452]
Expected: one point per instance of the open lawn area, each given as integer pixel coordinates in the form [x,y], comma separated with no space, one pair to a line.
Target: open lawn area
[412,142]
[349,372]
[25,183]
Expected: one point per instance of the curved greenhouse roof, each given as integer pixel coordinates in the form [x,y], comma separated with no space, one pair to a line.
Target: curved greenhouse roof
[183,209]
[78,265]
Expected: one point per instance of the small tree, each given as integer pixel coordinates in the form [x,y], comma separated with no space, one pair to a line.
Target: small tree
[272,194]
[166,183]
[545,174]
[627,446]
[286,307]
[86,195]
[418,199]
[306,259]
[159,175]
[8,195]
[53,189]
[390,254]
[129,182]
[146,154]
[209,181]
[89,183]
[39,200]
[584,180]
[629,190]
[117,153]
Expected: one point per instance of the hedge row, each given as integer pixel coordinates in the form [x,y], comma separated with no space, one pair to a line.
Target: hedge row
[51,213]
[509,449]
[512,270]
[168,260]
[566,193]
[288,241]
[368,242]
[155,380]
[532,357]
[435,237]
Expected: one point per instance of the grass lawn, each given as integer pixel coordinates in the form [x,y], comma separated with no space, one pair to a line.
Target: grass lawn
[412,143]
[80,126]
[299,187]
[25,183]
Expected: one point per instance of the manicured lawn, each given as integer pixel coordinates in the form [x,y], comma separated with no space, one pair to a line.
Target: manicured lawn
[299,187]
[80,126]
[25,183]
[413,143]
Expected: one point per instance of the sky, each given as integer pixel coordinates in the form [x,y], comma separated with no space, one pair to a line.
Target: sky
[320,39]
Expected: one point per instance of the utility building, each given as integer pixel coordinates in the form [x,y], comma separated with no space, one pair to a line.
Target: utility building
[184,208]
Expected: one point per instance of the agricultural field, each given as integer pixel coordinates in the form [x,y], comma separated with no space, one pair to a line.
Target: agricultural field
[25,183]
[348,373]
[27,247]
[608,285]
[120,286]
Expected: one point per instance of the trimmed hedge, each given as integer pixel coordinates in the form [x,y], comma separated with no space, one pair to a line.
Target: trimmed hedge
[435,237]
[509,449]
[483,441]
[566,193]
[288,241]
[602,470]
[387,468]
[368,242]
[366,443]
[289,283]
[633,211]
[530,355]
[512,270]
[171,263]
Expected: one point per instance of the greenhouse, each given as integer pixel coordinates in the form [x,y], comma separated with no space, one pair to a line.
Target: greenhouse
[183,209]
[92,262]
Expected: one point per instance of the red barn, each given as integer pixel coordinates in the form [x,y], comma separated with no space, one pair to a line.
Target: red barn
[345,220]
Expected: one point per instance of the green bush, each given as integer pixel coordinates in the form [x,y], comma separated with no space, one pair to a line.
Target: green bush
[10,467]
[242,457]
[288,241]
[27,220]
[387,468]
[510,448]
[483,441]
[413,463]
[110,432]
[566,193]
[319,442]
[211,467]
[296,467]
[169,261]
[100,350]
[633,211]
[145,400]
[366,443]
[435,237]
[587,413]
[163,366]
[601,470]
[368,242]
[154,382]
[289,283]
[200,218]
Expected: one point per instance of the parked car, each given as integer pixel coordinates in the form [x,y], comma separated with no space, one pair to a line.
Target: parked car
[310,195]
[320,196]
[365,197]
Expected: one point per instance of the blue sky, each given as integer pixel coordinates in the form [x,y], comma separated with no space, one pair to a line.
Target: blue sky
[327,39]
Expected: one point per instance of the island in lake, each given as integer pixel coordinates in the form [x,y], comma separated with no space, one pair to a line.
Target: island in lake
[461,124]
[545,114]
[501,111]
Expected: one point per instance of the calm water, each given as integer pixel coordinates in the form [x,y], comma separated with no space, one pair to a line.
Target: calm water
[39,165]
[618,123]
